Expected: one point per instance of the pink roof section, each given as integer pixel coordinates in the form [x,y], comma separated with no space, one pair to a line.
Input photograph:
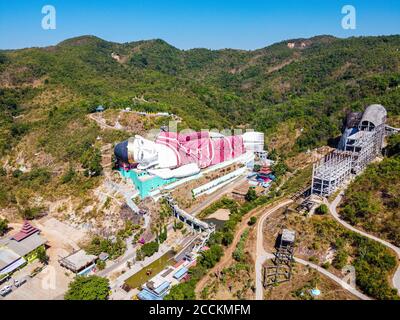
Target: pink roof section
[26,231]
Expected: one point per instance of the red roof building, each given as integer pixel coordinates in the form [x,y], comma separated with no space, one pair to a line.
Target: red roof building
[26,231]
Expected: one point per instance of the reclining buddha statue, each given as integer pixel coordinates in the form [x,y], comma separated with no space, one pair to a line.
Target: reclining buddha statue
[177,155]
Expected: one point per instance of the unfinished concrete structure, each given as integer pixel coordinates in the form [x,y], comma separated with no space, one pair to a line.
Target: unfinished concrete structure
[281,270]
[190,220]
[331,172]
[361,142]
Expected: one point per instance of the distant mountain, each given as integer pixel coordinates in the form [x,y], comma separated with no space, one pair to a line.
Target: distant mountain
[296,91]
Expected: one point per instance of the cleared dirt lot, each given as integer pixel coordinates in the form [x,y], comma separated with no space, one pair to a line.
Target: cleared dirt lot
[52,281]
[49,284]
[303,280]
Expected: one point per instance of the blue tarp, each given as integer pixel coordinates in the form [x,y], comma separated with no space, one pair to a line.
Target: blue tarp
[87,270]
[162,288]
[180,273]
[147,295]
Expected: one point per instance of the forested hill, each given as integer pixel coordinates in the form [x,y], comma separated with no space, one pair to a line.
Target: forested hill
[300,90]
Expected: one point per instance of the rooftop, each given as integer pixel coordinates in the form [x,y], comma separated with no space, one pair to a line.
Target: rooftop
[25,245]
[288,235]
[180,273]
[7,257]
[26,231]
[77,260]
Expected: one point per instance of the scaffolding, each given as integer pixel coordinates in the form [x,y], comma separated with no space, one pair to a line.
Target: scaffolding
[331,172]
[281,270]
[360,149]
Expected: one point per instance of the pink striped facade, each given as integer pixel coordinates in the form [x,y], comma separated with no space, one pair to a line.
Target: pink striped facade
[200,148]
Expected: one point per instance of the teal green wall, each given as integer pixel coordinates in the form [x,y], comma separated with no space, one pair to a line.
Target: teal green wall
[145,187]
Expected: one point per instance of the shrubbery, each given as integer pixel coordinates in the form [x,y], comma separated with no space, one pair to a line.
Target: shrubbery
[88,288]
[238,254]
[3,226]
[373,200]
[322,209]
[114,248]
[147,250]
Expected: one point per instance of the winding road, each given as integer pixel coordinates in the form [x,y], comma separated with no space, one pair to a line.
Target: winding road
[227,258]
[263,255]
[332,208]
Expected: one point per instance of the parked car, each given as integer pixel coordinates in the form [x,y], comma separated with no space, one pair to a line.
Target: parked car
[5,291]
[19,282]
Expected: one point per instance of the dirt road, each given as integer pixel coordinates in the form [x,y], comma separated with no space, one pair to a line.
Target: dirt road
[332,208]
[227,259]
[262,255]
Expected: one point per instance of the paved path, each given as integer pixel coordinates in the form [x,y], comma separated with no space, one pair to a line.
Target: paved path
[129,255]
[227,258]
[164,248]
[331,276]
[262,255]
[332,208]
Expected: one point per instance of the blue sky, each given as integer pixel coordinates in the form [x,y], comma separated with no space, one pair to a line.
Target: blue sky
[242,24]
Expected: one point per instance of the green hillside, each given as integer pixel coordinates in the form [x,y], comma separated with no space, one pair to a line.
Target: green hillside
[301,93]
[372,201]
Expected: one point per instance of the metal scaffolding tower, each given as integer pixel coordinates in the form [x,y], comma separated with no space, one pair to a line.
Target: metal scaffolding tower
[331,172]
[281,270]
[360,149]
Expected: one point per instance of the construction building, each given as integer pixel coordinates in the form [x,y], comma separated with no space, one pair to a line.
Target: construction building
[281,270]
[361,142]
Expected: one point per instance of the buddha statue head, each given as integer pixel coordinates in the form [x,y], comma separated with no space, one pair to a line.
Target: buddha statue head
[137,150]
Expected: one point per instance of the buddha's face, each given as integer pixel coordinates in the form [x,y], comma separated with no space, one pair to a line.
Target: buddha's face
[144,151]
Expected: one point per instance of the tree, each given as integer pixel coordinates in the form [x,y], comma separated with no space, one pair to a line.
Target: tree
[393,148]
[88,288]
[100,264]
[30,213]
[251,195]
[322,209]
[252,221]
[182,291]
[210,257]
[227,238]
[148,249]
[279,168]
[42,255]
[91,161]
[163,235]
[273,155]
[3,226]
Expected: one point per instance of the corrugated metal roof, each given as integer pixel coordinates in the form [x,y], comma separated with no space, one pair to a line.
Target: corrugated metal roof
[288,235]
[13,266]
[27,245]
[7,257]
[147,295]
[180,273]
[78,260]
[165,285]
